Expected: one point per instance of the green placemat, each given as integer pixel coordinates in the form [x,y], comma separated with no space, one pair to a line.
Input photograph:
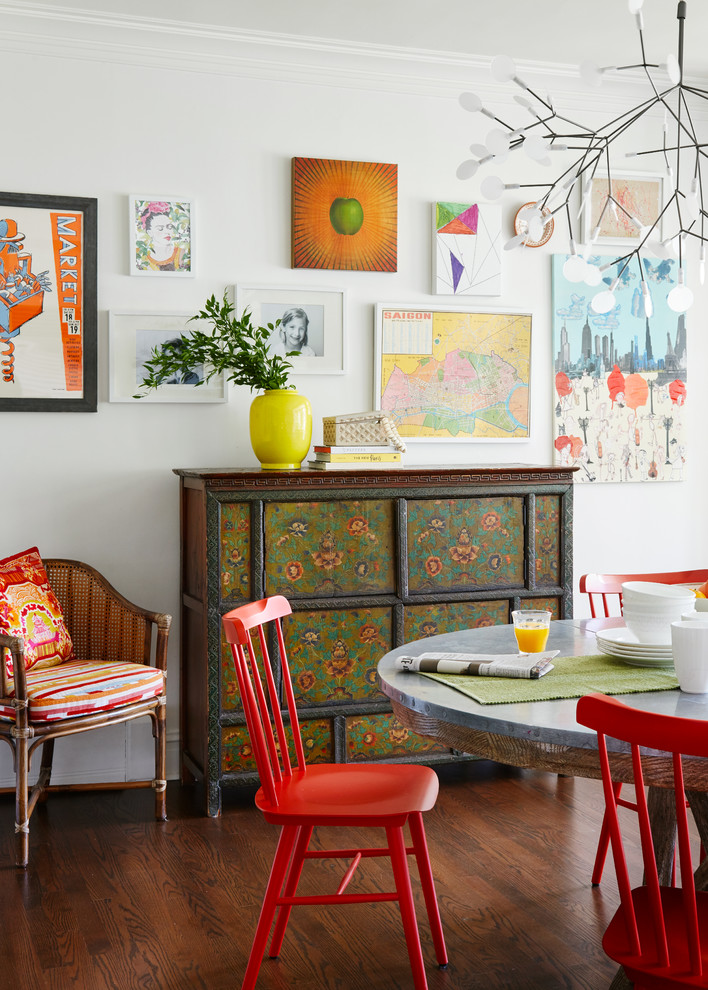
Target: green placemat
[571,677]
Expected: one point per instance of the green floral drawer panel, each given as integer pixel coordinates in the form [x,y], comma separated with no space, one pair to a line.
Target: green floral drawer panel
[237,754]
[421,621]
[235,562]
[461,544]
[329,548]
[547,539]
[551,604]
[375,737]
[230,697]
[333,654]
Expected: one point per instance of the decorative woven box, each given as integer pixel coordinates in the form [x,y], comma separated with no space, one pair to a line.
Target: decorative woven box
[369,428]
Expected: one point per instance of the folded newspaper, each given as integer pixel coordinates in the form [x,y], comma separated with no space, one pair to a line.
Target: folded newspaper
[531,665]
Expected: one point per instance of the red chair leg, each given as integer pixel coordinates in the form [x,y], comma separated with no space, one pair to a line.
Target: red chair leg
[422,856]
[278,871]
[399,862]
[293,878]
[603,842]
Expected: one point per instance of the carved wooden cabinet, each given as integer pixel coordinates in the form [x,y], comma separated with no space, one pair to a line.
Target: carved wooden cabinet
[369,559]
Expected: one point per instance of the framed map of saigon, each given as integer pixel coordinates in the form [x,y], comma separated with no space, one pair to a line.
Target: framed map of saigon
[450,374]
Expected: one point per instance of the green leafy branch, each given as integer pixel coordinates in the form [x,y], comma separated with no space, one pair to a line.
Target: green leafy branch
[234,347]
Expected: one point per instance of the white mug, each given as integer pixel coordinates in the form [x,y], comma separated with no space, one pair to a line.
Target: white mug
[689,642]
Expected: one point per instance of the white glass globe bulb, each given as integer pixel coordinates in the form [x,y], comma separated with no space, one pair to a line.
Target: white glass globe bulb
[647,300]
[503,68]
[603,302]
[590,74]
[635,6]
[515,242]
[574,268]
[680,299]
[535,147]
[593,275]
[467,169]
[470,102]
[492,187]
[535,228]
[673,69]
[498,141]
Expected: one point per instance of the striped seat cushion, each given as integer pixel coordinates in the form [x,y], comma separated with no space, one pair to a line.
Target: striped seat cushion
[80,688]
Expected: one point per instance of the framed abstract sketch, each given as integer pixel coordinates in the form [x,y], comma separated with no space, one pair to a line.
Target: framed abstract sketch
[639,195]
[467,251]
[161,236]
[311,329]
[620,378]
[450,375]
[48,303]
[132,337]
[344,215]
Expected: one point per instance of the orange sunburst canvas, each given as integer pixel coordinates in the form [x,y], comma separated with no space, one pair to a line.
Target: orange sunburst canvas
[345,215]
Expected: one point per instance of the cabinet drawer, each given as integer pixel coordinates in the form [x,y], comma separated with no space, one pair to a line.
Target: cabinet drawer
[329,548]
[421,621]
[235,551]
[464,544]
[333,654]
[237,754]
[547,524]
[375,737]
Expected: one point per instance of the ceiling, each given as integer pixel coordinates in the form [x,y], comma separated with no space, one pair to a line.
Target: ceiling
[560,31]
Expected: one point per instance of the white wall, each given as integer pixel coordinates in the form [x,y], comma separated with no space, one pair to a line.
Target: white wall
[113,113]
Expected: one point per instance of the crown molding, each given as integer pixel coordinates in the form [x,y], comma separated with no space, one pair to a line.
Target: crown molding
[50,30]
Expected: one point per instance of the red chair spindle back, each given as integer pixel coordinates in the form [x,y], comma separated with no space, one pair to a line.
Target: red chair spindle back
[611,718]
[270,737]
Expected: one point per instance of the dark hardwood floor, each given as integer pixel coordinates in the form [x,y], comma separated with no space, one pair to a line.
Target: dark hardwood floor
[113,899]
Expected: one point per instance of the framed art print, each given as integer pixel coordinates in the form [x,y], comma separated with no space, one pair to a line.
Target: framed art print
[467,251]
[311,328]
[448,375]
[344,215]
[637,194]
[132,338]
[48,303]
[161,236]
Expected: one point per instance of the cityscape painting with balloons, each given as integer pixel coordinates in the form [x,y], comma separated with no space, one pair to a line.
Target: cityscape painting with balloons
[619,377]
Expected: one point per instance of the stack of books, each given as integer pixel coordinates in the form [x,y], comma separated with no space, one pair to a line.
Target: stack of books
[331,457]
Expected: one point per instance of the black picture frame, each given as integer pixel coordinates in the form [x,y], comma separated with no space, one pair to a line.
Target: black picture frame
[48,286]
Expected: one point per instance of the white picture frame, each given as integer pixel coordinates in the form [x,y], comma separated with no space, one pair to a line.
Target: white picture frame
[641,194]
[324,325]
[131,339]
[161,236]
[417,347]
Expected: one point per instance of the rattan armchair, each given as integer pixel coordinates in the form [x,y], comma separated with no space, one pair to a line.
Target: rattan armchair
[106,630]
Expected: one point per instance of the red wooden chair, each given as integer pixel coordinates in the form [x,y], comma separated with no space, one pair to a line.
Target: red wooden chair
[605,591]
[299,797]
[659,934]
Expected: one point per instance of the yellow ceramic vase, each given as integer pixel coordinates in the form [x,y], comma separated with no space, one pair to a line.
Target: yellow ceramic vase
[281,429]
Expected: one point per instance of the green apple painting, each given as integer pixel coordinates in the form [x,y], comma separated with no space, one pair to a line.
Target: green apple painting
[345,215]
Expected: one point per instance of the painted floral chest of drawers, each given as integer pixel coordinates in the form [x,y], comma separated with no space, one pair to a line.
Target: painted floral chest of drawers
[369,559]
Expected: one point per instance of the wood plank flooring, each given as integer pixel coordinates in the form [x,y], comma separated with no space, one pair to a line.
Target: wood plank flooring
[113,900]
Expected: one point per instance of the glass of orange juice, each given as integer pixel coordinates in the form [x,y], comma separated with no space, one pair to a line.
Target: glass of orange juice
[531,629]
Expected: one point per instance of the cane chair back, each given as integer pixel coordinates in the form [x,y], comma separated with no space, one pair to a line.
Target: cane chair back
[298,796]
[116,674]
[659,934]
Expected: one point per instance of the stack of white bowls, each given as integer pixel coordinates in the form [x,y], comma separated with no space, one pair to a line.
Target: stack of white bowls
[649,609]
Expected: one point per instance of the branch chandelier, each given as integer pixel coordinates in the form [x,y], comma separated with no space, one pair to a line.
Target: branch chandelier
[680,154]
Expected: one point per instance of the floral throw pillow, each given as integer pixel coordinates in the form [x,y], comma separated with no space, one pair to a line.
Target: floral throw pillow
[29,608]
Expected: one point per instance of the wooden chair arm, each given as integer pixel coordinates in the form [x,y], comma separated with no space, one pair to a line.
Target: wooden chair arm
[16,646]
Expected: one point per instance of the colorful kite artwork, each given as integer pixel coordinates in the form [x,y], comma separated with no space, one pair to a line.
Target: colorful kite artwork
[467,249]
[619,382]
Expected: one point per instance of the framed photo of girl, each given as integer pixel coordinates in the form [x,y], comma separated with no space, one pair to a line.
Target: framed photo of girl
[311,329]
[48,315]
[161,236]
